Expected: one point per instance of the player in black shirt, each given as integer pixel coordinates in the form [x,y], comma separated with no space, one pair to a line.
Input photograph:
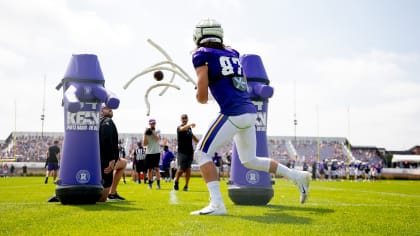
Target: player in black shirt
[53,159]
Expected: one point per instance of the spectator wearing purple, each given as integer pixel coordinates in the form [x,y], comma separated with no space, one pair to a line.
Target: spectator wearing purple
[167,157]
[217,160]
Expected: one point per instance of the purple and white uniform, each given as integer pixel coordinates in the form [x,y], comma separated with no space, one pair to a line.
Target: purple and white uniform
[224,69]
[237,115]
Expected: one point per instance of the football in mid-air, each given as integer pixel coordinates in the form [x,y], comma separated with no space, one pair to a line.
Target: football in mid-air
[158,75]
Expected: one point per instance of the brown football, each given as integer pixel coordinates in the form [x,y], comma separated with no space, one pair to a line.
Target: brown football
[158,75]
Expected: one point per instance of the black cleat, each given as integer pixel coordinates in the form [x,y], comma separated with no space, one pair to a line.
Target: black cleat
[115,196]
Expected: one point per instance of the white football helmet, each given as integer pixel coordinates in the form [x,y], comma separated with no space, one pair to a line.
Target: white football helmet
[207,28]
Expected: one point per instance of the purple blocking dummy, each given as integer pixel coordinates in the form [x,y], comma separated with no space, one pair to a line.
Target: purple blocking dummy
[80,180]
[252,187]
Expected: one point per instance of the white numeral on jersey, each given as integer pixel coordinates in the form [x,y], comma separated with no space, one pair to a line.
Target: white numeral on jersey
[227,67]
[236,61]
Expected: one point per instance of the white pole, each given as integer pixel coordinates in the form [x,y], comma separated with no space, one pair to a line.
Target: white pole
[14,135]
[348,132]
[317,133]
[294,115]
[43,108]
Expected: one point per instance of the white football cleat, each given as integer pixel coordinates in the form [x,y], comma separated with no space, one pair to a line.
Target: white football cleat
[302,180]
[212,209]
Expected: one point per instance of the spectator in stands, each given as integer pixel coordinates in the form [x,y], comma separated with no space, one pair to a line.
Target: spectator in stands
[217,160]
[352,171]
[321,170]
[185,154]
[341,172]
[134,175]
[12,170]
[111,165]
[378,170]
[334,169]
[5,169]
[359,170]
[289,163]
[174,168]
[228,162]
[373,173]
[327,169]
[314,170]
[24,170]
[305,166]
[53,160]
[366,170]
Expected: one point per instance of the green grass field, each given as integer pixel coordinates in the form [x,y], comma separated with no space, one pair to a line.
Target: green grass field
[334,208]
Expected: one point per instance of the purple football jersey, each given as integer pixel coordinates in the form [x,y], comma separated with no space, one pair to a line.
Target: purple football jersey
[226,80]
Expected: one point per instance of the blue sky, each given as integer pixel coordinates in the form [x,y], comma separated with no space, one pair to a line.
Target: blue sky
[348,68]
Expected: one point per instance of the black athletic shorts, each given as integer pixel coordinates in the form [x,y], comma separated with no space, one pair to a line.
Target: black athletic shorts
[141,166]
[184,161]
[152,160]
[106,178]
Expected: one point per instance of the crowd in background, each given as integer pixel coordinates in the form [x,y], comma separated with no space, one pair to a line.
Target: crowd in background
[328,159]
[29,147]
[32,147]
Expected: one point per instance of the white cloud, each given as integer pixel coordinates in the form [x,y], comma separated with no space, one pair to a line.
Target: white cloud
[375,86]
[9,59]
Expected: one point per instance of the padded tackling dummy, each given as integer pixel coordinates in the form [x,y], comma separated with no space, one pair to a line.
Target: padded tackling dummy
[80,180]
[247,186]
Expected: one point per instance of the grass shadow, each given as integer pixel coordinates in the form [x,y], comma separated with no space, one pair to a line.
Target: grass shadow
[284,215]
[109,205]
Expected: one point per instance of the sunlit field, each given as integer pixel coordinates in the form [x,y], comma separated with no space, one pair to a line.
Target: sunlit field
[334,208]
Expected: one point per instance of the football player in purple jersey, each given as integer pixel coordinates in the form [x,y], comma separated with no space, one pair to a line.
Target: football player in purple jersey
[219,70]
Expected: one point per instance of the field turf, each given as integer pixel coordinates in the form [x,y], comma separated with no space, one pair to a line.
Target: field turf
[385,207]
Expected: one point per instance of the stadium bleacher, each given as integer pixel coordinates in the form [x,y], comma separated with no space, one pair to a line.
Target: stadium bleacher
[32,147]
[29,149]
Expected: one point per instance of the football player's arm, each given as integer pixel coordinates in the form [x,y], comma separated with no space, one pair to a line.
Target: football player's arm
[186,127]
[202,95]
